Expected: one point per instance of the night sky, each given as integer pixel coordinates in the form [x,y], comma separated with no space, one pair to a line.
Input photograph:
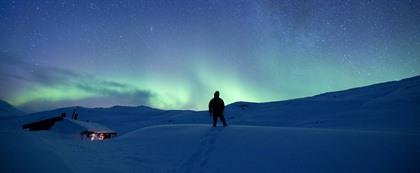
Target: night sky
[174,54]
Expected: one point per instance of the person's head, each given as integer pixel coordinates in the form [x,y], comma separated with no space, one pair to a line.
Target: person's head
[216,94]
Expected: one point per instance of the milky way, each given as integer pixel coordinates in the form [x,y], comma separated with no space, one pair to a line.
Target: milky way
[175,54]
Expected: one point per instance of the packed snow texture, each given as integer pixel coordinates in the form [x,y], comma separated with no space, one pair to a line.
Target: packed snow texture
[368,129]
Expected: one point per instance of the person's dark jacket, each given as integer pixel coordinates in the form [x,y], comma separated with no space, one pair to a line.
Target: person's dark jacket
[216,106]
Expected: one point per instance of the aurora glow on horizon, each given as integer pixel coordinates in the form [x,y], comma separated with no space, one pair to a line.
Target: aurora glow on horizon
[175,54]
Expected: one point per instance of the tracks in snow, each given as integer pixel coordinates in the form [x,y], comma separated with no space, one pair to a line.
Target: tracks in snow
[197,162]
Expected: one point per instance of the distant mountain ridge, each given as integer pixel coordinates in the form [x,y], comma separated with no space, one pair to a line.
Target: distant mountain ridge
[394,104]
[389,105]
[7,110]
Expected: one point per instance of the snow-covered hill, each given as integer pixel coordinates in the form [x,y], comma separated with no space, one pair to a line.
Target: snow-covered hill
[386,106]
[369,129]
[7,110]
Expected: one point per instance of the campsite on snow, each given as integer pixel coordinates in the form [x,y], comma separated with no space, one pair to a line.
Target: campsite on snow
[368,129]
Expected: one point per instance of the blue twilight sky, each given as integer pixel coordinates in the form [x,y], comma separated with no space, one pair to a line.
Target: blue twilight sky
[173,54]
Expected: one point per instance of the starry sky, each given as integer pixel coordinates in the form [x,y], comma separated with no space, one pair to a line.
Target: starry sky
[173,54]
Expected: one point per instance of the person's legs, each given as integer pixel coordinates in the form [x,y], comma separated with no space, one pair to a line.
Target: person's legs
[222,117]
[214,120]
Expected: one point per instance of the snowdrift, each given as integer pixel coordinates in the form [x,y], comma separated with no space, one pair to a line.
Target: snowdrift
[83,129]
[22,152]
[200,148]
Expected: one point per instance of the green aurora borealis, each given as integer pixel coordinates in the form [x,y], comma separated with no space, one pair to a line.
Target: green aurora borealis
[175,54]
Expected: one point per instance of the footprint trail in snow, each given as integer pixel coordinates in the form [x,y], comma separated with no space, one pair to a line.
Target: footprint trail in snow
[197,162]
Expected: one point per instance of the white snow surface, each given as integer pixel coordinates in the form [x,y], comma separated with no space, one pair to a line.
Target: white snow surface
[369,129]
[71,126]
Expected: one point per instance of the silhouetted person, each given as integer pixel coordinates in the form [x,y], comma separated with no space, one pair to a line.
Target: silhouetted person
[216,108]
[63,115]
[73,114]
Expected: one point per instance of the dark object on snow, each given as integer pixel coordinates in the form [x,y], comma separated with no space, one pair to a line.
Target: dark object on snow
[74,115]
[43,124]
[216,108]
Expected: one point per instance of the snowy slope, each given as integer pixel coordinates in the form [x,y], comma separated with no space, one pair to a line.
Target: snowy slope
[387,106]
[200,148]
[121,118]
[369,129]
[274,149]
[23,152]
[7,110]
